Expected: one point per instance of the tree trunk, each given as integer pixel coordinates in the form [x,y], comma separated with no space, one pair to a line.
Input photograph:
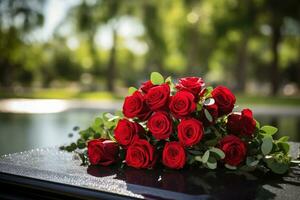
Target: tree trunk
[241,67]
[275,40]
[94,53]
[112,64]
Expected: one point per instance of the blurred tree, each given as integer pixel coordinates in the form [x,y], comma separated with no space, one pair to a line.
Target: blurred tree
[154,36]
[88,18]
[240,17]
[275,11]
[17,19]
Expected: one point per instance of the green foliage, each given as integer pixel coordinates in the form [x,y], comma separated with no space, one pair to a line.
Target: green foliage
[131,90]
[278,163]
[218,152]
[269,130]
[205,157]
[267,145]
[156,78]
[208,115]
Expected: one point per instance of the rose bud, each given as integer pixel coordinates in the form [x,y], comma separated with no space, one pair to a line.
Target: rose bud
[146,86]
[190,84]
[157,97]
[241,123]
[182,104]
[190,132]
[234,149]
[174,155]
[135,106]
[224,99]
[102,152]
[160,125]
[141,154]
[126,132]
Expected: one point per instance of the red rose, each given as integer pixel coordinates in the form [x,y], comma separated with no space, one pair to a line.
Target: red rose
[160,125]
[224,99]
[141,154]
[135,106]
[190,132]
[241,123]
[174,155]
[146,86]
[234,149]
[213,111]
[126,132]
[157,97]
[102,152]
[182,104]
[191,84]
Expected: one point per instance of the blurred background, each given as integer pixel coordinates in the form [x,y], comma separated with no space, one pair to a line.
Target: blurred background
[83,54]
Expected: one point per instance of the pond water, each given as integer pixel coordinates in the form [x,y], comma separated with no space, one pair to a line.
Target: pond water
[19,132]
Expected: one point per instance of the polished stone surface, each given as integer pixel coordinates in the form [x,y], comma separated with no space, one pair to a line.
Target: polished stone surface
[50,164]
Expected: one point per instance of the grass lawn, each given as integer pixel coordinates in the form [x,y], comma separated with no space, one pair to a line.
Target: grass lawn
[102,95]
[62,94]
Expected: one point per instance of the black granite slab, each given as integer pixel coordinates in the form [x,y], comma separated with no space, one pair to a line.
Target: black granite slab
[42,173]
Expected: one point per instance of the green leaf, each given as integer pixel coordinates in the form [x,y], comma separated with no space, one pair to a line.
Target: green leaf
[81,144]
[168,80]
[205,156]
[267,144]
[97,135]
[230,167]
[218,151]
[212,163]
[131,90]
[257,124]
[212,142]
[208,91]
[209,101]
[198,158]
[251,161]
[285,147]
[208,115]
[199,107]
[283,139]
[277,167]
[156,78]
[269,130]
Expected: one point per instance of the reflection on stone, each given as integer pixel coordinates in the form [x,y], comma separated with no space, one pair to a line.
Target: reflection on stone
[220,184]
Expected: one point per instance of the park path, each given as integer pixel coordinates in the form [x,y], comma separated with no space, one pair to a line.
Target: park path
[55,106]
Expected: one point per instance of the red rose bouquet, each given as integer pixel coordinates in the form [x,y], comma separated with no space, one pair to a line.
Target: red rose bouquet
[176,125]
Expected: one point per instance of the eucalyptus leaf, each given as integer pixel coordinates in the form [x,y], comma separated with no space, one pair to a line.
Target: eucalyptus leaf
[156,78]
[208,115]
[209,102]
[218,151]
[267,144]
[205,156]
[269,130]
[212,163]
[198,158]
[230,167]
[251,162]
